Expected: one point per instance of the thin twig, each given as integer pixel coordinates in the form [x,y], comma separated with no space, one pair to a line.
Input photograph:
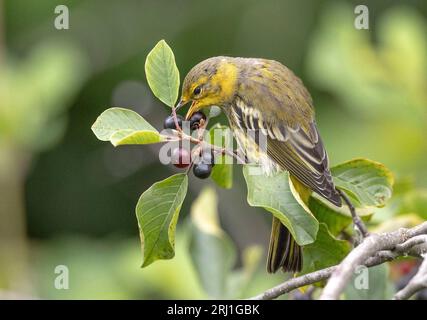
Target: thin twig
[356,220]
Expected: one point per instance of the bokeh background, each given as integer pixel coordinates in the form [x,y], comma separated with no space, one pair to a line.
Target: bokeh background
[68,199]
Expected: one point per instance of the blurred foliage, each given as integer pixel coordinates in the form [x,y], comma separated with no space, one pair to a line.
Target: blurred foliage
[214,254]
[381,83]
[368,88]
[34,94]
[212,251]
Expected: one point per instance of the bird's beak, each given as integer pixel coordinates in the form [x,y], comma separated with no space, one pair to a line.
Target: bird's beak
[193,108]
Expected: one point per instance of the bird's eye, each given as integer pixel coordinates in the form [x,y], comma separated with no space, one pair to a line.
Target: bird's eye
[197,90]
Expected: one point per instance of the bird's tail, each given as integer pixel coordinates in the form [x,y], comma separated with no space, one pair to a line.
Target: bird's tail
[283,251]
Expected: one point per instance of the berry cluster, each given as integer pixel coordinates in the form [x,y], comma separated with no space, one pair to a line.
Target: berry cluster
[181,157]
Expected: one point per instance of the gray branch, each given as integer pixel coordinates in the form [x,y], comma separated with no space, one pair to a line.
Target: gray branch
[295,283]
[369,247]
[417,283]
[388,247]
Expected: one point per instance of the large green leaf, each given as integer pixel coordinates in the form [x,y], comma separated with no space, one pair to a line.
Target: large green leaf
[222,172]
[369,182]
[123,126]
[157,214]
[162,73]
[212,252]
[368,185]
[274,194]
[326,251]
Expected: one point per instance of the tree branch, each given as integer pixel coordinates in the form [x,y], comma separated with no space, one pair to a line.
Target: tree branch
[389,247]
[368,248]
[415,241]
[295,283]
[313,277]
[417,283]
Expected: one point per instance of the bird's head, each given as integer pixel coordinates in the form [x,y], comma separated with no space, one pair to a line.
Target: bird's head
[209,83]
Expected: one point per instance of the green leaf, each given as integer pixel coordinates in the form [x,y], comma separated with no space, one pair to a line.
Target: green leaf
[371,183]
[157,213]
[274,194]
[370,284]
[123,137]
[337,219]
[222,173]
[123,126]
[212,252]
[326,251]
[162,73]
[368,185]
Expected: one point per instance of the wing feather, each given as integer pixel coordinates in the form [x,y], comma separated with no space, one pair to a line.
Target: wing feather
[298,150]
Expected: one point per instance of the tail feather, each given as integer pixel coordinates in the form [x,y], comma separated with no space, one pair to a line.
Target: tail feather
[283,251]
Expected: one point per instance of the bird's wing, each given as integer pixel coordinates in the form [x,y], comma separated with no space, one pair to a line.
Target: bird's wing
[297,149]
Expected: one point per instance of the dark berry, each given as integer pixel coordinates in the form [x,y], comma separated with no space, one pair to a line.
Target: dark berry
[181,158]
[208,157]
[169,122]
[202,170]
[195,120]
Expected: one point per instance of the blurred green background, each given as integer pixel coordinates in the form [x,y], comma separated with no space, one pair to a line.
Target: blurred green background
[68,199]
